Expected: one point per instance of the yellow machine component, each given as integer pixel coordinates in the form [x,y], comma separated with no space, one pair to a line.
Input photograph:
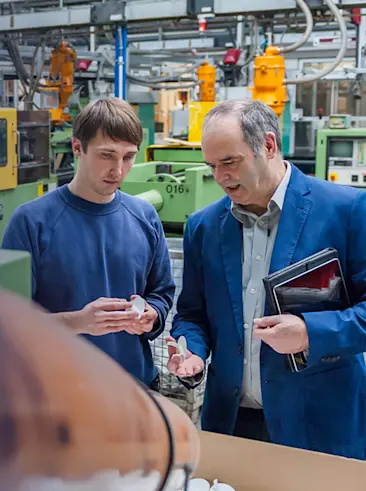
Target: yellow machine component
[197,113]
[60,82]
[333,177]
[269,76]
[8,149]
[206,74]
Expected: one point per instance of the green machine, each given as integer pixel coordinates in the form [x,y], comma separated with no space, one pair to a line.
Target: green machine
[341,153]
[175,181]
[15,272]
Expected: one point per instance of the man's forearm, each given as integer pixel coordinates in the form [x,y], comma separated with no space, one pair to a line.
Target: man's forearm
[71,320]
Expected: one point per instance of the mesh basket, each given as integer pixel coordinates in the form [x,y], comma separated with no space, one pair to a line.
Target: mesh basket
[190,401]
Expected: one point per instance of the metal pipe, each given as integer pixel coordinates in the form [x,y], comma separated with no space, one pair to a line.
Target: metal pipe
[120,85]
[309,28]
[116,71]
[239,32]
[153,197]
[342,50]
[124,62]
[120,64]
[92,39]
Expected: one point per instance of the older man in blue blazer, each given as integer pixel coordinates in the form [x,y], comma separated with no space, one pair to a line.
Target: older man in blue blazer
[273,216]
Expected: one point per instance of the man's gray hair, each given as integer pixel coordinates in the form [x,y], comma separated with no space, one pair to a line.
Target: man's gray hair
[256,119]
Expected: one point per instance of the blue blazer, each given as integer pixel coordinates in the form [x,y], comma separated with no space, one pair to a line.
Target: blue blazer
[322,408]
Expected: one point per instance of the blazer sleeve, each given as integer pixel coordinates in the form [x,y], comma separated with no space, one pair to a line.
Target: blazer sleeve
[191,319]
[342,333]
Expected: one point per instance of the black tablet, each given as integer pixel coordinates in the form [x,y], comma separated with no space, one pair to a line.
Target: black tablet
[313,284]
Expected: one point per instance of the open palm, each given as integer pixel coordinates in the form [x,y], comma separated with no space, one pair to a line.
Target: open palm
[191,366]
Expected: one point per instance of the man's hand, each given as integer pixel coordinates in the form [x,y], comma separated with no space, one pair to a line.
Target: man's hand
[105,315]
[286,334]
[191,366]
[147,321]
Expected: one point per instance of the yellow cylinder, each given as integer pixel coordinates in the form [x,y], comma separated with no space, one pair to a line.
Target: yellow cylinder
[206,74]
[269,76]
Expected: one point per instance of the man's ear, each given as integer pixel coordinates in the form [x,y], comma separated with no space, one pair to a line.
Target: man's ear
[76,146]
[270,145]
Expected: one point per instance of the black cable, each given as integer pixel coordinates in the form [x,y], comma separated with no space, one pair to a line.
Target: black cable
[169,431]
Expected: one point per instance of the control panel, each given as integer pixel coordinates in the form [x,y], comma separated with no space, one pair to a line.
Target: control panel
[346,159]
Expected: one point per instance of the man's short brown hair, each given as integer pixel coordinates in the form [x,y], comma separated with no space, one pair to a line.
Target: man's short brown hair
[114,117]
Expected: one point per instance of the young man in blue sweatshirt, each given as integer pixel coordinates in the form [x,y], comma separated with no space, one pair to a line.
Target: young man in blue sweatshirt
[94,247]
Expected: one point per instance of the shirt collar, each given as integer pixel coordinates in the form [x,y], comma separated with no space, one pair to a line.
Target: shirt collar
[276,201]
[279,195]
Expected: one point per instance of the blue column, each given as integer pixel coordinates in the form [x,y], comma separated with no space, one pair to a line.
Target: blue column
[120,78]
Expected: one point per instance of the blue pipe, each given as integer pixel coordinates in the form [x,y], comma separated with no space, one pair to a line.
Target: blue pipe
[120,73]
[116,74]
[124,57]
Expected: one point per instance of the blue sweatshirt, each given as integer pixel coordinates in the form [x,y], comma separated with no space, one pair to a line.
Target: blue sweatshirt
[82,251]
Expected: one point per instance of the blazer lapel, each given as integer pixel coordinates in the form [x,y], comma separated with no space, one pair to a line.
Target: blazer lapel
[293,217]
[295,211]
[231,246]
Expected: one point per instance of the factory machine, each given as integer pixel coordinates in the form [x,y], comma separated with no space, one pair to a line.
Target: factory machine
[176,190]
[341,153]
[59,84]
[25,170]
[35,146]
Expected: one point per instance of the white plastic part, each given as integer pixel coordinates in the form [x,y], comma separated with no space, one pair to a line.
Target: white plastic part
[181,347]
[106,481]
[198,485]
[219,486]
[138,305]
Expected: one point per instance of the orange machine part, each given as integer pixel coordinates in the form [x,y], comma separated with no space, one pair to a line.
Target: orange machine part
[207,75]
[61,77]
[269,76]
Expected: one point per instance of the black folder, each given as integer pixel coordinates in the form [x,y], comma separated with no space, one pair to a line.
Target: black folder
[313,284]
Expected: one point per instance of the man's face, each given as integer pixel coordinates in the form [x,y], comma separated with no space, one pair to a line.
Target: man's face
[105,164]
[240,173]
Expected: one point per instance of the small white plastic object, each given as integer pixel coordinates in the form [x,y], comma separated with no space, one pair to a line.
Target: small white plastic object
[198,484]
[138,305]
[219,486]
[106,481]
[181,347]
